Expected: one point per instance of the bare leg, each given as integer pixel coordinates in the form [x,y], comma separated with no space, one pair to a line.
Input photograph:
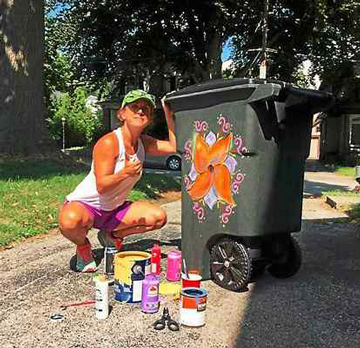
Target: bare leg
[140,218]
[75,221]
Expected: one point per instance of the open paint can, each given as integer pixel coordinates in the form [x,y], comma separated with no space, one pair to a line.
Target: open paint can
[192,280]
[131,267]
[193,306]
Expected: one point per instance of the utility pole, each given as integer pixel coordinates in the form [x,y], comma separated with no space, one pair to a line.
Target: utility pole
[264,41]
[262,52]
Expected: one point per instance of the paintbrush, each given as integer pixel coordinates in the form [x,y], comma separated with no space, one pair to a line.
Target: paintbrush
[185,269]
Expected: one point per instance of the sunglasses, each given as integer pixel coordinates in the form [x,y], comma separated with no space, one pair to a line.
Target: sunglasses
[136,107]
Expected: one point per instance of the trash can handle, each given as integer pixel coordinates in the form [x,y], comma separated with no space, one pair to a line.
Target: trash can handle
[263,91]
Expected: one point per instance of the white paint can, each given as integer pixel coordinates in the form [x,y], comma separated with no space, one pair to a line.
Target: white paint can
[192,306]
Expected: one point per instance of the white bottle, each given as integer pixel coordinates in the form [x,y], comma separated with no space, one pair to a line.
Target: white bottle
[133,158]
[101,298]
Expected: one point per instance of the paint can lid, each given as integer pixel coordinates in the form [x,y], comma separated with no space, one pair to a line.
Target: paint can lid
[169,288]
[57,317]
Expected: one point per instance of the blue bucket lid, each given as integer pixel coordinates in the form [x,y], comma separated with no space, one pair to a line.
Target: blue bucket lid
[194,292]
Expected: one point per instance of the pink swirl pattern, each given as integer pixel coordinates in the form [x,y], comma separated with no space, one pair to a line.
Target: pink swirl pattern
[188,150]
[226,214]
[224,124]
[239,178]
[187,182]
[201,126]
[238,143]
[199,210]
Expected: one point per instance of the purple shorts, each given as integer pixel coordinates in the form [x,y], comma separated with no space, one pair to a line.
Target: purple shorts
[107,220]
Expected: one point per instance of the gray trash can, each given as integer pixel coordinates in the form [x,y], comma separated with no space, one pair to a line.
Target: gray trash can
[243,144]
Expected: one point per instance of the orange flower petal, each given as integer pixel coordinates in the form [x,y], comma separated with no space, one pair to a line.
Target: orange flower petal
[201,156]
[222,183]
[202,185]
[220,149]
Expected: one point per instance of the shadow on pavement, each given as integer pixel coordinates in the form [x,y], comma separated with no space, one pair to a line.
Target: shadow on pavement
[317,166]
[317,188]
[317,307]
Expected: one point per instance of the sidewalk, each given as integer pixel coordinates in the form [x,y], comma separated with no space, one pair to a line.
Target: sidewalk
[317,183]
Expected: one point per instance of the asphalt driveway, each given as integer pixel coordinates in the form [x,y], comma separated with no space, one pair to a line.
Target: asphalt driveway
[318,307]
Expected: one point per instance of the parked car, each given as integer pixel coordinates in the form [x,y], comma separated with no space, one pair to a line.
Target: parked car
[170,162]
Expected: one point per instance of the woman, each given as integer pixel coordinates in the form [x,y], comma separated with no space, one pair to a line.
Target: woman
[99,201]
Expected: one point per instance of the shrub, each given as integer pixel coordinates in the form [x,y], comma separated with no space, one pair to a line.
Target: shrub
[82,127]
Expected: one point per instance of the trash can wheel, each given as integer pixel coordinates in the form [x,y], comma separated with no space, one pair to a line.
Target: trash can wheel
[230,264]
[290,263]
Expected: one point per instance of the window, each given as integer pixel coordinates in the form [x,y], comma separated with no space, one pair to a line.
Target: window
[354,131]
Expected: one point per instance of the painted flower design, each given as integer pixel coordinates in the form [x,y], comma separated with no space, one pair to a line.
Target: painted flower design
[211,163]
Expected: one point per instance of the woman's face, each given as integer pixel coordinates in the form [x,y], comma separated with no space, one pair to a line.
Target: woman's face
[137,114]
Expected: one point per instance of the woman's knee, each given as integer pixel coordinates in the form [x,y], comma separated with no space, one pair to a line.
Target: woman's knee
[71,221]
[159,217]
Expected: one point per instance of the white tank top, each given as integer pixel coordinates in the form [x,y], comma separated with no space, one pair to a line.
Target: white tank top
[86,191]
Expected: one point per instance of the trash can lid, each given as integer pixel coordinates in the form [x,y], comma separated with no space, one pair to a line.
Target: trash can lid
[222,91]
[247,90]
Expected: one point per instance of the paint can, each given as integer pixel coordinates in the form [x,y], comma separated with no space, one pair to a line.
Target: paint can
[109,254]
[191,280]
[193,306]
[130,269]
[173,266]
[150,294]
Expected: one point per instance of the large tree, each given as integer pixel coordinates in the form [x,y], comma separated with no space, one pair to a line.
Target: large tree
[325,31]
[335,47]
[22,126]
[119,39]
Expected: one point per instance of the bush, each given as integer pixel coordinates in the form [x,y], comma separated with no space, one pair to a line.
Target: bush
[82,127]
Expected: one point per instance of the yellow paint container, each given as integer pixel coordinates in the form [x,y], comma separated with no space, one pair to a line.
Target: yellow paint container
[130,268]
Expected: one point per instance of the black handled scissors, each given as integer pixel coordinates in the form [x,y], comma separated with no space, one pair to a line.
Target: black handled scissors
[160,324]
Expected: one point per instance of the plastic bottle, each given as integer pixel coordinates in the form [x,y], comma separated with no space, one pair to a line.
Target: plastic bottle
[101,298]
[156,259]
[150,294]
[173,269]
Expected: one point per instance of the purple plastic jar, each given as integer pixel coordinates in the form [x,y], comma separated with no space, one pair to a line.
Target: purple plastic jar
[150,294]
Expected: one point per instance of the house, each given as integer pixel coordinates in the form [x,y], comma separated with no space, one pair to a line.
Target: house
[340,131]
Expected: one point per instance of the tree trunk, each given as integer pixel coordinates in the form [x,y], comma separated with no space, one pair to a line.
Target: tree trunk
[214,57]
[22,111]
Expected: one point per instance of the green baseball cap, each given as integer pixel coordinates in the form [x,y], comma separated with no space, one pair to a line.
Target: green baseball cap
[138,94]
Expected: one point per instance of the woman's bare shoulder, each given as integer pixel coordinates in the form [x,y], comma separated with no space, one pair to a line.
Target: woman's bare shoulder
[107,142]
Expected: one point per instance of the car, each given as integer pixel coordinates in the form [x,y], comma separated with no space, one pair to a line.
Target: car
[170,162]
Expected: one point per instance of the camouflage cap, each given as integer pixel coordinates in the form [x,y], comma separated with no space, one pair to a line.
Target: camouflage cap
[138,94]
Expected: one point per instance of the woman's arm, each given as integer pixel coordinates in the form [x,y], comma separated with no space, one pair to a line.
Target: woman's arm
[162,147]
[105,154]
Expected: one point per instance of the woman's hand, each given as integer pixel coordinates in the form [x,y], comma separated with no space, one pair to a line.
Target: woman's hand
[166,107]
[132,166]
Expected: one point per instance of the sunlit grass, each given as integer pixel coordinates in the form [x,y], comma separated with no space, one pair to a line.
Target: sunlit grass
[345,171]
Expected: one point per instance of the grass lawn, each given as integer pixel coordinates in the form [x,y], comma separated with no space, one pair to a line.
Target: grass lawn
[345,171]
[31,191]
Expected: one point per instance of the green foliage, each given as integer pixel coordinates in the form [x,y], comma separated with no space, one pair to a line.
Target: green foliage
[335,44]
[135,40]
[127,42]
[82,127]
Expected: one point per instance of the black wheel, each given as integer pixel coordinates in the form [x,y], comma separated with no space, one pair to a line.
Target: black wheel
[230,264]
[173,163]
[290,263]
[257,270]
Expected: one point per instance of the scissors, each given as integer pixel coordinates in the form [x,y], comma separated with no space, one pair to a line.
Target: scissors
[160,323]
